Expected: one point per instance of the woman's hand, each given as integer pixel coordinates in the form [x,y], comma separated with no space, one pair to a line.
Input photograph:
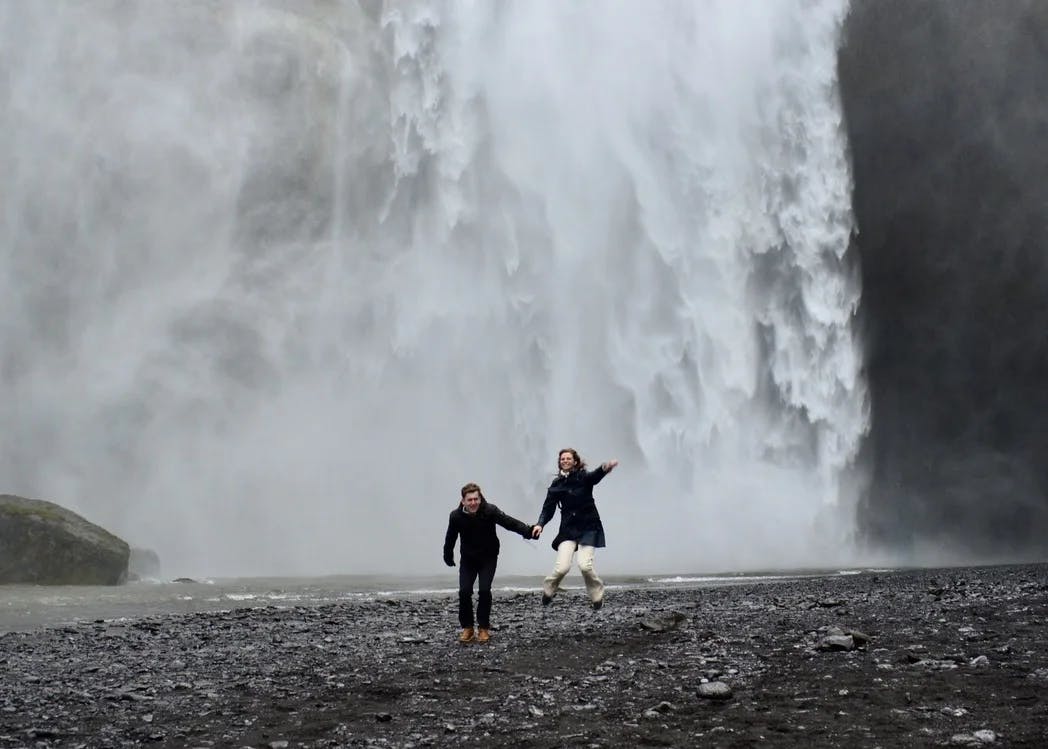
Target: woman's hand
[609,465]
[536,531]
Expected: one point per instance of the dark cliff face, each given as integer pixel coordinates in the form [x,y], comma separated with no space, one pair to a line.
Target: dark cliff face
[42,543]
[946,105]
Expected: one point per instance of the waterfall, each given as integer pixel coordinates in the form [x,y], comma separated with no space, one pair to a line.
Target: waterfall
[277,278]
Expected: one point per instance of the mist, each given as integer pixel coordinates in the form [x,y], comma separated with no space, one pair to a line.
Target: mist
[947,110]
[276,279]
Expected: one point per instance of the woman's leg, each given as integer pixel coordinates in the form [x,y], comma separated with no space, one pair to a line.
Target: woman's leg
[487,575]
[594,585]
[551,584]
[467,576]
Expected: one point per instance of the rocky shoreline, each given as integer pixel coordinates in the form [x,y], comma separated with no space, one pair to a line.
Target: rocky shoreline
[894,659]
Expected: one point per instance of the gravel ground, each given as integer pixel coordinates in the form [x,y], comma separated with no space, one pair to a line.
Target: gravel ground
[897,659]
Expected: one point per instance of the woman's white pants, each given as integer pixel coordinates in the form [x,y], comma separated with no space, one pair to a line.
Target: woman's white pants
[565,551]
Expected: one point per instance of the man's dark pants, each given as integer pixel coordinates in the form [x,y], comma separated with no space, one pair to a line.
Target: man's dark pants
[470,570]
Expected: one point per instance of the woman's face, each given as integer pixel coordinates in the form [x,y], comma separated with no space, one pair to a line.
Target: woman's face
[471,502]
[566,461]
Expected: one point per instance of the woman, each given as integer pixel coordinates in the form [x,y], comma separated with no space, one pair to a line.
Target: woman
[473,521]
[580,527]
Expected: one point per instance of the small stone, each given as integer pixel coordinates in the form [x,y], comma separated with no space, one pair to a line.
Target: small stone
[584,707]
[860,638]
[837,642]
[663,622]
[933,664]
[383,717]
[41,733]
[985,736]
[715,690]
[980,661]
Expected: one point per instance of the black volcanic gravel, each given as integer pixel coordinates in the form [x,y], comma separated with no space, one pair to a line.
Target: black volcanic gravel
[950,657]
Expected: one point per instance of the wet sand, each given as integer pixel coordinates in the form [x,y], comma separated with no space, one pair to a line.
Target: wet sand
[909,658]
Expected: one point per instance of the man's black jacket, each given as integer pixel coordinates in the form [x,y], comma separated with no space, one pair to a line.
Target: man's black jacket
[477,532]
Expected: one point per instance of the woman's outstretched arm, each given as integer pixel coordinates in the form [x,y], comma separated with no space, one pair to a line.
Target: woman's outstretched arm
[601,471]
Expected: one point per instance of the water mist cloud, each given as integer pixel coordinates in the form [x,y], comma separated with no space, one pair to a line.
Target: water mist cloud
[280,278]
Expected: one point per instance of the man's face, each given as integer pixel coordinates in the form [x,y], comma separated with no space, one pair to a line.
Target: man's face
[471,502]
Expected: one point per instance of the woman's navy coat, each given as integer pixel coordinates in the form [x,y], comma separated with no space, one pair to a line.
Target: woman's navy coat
[579,519]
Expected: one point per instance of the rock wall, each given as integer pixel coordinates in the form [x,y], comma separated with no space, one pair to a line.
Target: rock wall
[946,104]
[42,543]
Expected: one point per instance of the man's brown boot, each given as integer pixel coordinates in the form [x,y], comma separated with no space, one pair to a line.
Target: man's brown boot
[483,635]
[467,635]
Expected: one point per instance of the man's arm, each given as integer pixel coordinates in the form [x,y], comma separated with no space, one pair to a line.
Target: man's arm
[449,543]
[510,523]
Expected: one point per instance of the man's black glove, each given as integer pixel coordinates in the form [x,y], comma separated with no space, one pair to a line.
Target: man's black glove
[448,560]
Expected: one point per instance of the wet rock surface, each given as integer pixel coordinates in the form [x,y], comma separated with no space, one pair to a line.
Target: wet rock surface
[914,658]
[42,543]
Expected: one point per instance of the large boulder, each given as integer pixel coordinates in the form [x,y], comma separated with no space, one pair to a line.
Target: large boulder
[42,543]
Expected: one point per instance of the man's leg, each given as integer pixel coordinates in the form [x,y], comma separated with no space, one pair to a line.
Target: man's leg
[551,584]
[487,576]
[467,577]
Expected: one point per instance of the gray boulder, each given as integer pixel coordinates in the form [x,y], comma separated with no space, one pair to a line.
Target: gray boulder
[42,543]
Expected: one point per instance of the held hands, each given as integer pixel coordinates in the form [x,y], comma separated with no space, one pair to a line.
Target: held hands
[536,531]
[609,465]
[449,561]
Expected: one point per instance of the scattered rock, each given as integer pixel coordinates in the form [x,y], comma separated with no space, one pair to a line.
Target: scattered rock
[837,642]
[715,690]
[368,673]
[978,738]
[663,622]
[861,639]
[933,664]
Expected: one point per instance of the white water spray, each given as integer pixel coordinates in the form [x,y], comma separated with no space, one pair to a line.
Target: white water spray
[277,278]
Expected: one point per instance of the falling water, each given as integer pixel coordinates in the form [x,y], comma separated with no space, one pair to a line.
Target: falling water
[277,278]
